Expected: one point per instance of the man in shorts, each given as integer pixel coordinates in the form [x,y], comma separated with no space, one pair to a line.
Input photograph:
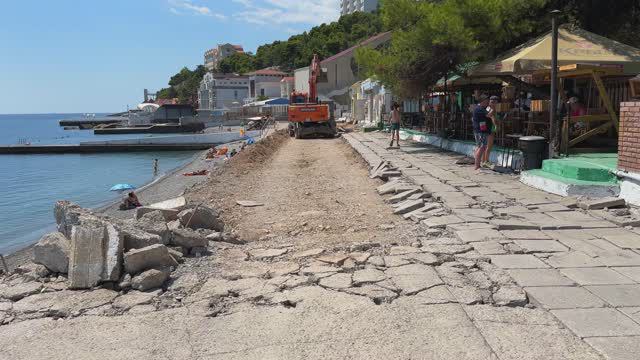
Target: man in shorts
[394,120]
[482,125]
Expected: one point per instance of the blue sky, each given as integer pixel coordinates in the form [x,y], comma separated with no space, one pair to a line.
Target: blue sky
[98,56]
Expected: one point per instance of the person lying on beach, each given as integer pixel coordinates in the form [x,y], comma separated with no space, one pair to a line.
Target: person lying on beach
[197,173]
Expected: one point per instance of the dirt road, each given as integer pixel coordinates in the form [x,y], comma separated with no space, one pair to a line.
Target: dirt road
[326,271]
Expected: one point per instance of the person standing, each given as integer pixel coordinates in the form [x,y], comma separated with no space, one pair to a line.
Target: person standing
[394,120]
[155,167]
[481,129]
[493,115]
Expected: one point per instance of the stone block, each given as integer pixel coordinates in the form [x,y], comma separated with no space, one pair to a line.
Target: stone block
[413,278]
[86,257]
[113,245]
[563,297]
[336,281]
[518,262]
[597,204]
[52,251]
[618,348]
[510,296]
[618,295]
[404,195]
[368,275]
[469,226]
[134,238]
[596,276]
[441,222]
[151,257]
[388,188]
[478,213]
[489,248]
[67,214]
[539,277]
[167,214]
[597,322]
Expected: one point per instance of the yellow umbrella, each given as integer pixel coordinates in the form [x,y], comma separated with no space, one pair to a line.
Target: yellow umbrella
[575,46]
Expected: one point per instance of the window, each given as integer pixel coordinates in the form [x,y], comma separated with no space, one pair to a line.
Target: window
[261,92]
[235,94]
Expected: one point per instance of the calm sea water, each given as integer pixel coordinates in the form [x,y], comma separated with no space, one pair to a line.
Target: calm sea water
[31,184]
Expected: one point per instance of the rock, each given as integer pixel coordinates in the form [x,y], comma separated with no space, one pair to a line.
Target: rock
[249,203]
[364,246]
[52,251]
[510,296]
[376,293]
[33,271]
[135,238]
[178,256]
[376,261]
[154,256]
[228,238]
[201,217]
[87,255]
[197,251]
[19,291]
[403,196]
[169,208]
[173,225]
[189,239]
[125,282]
[409,206]
[155,226]
[185,283]
[150,279]
[360,257]
[64,303]
[131,299]
[261,254]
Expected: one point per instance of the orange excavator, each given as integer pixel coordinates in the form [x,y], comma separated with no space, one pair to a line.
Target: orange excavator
[307,115]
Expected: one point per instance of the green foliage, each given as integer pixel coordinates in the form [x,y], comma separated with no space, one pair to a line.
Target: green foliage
[432,37]
[325,40]
[237,64]
[184,85]
[262,98]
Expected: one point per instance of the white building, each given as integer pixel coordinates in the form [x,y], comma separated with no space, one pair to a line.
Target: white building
[222,91]
[287,86]
[265,83]
[351,6]
[212,57]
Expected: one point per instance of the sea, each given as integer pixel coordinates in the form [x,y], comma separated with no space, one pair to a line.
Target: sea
[31,184]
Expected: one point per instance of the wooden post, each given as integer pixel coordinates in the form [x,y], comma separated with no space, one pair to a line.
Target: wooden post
[605,99]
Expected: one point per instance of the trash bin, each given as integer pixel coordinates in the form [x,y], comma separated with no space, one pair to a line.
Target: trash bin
[533,151]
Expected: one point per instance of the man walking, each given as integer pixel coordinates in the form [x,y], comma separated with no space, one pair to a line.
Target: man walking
[481,129]
[395,124]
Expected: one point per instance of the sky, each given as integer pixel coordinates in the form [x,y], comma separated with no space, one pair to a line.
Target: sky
[65,56]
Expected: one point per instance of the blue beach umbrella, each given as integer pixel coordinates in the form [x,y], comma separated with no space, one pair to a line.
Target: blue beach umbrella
[122,187]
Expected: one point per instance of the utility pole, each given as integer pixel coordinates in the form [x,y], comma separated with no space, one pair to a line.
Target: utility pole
[553,111]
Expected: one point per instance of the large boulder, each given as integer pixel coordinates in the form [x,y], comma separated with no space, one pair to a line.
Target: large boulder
[150,257]
[52,251]
[169,208]
[201,217]
[189,239]
[113,247]
[150,279]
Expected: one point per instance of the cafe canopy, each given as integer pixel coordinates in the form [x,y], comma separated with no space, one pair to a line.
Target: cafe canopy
[575,46]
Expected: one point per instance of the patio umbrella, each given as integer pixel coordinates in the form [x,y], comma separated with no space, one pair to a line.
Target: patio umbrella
[122,187]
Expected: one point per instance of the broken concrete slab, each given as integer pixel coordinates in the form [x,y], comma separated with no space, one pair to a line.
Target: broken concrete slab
[525,235]
[518,262]
[596,276]
[489,248]
[334,259]
[510,296]
[602,203]
[563,297]
[376,293]
[134,238]
[87,256]
[422,258]
[336,281]
[514,224]
[368,275]
[597,322]
[573,259]
[403,196]
[131,299]
[113,248]
[540,246]
[413,278]
[617,295]
[441,222]
[188,238]
[19,291]
[409,206]
[478,235]
[308,253]
[201,217]
[52,251]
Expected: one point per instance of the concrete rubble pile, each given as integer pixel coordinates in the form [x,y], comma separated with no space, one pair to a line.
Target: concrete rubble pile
[108,256]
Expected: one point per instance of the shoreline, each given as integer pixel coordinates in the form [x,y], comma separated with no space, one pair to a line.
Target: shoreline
[169,185]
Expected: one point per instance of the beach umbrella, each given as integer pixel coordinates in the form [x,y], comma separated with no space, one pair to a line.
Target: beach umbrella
[122,187]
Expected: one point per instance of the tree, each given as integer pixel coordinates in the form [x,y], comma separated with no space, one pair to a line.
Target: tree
[184,85]
[238,63]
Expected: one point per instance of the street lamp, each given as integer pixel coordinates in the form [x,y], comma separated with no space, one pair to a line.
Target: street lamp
[553,111]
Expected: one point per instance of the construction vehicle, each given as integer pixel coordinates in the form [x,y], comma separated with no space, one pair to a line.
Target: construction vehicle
[307,115]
